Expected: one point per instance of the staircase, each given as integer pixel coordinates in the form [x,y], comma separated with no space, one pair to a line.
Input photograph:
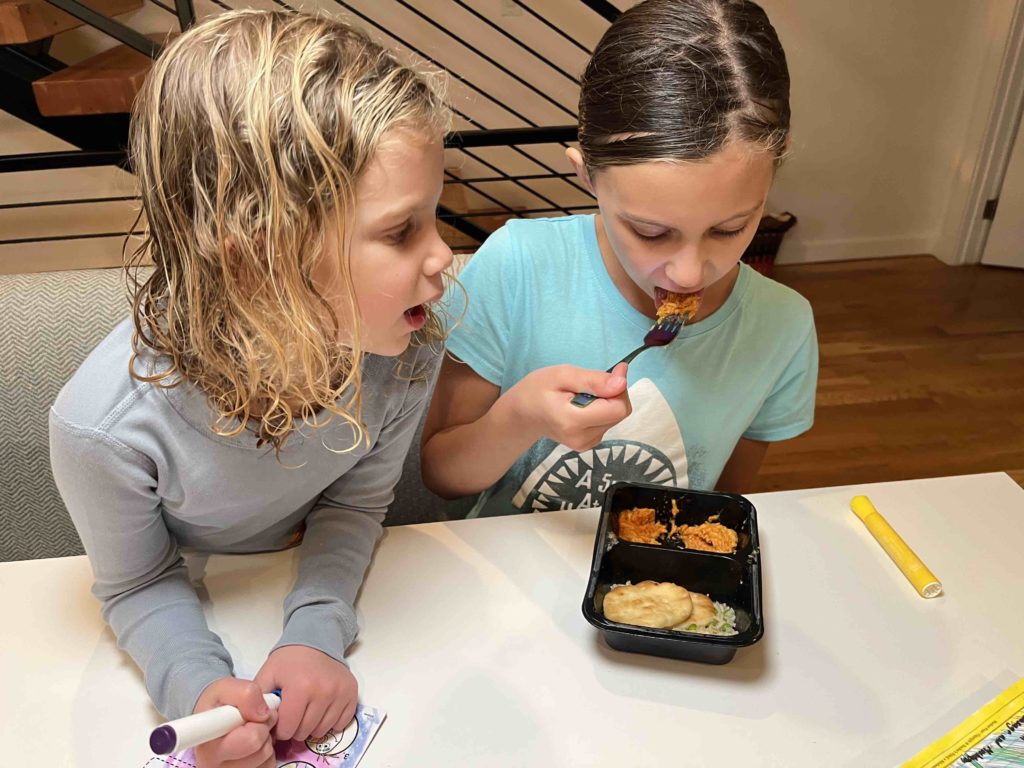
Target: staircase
[103,84]
[26,21]
[493,175]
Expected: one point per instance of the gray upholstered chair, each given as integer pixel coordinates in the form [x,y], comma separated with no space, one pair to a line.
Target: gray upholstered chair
[49,322]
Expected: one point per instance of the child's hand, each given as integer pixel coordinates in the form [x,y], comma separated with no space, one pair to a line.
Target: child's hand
[318,694]
[247,746]
[541,400]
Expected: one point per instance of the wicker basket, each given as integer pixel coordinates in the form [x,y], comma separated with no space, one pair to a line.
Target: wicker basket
[763,249]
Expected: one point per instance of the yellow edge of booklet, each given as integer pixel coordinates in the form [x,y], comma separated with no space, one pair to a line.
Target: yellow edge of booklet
[995,717]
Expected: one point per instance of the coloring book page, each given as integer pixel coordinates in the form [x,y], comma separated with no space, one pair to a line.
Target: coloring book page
[335,750]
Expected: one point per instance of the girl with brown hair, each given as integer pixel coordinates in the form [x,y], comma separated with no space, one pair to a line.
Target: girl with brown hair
[684,117]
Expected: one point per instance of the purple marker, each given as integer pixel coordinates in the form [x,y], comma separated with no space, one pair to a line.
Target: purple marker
[186,732]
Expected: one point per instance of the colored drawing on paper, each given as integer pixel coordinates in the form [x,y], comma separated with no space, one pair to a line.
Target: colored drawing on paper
[993,737]
[335,743]
[171,761]
[1004,749]
[335,750]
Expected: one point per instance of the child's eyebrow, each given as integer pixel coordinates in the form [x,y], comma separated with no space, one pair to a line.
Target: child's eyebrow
[648,222]
[394,217]
[741,215]
[641,220]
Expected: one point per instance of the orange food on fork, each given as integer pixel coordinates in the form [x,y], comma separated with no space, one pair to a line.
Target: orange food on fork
[679,304]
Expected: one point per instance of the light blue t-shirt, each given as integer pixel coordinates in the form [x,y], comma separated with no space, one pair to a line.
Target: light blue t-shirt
[540,295]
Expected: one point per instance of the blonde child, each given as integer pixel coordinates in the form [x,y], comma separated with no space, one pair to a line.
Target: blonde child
[684,116]
[268,384]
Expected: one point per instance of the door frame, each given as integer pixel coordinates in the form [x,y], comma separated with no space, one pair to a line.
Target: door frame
[994,156]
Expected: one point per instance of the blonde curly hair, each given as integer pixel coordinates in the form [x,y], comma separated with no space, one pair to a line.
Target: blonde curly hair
[247,140]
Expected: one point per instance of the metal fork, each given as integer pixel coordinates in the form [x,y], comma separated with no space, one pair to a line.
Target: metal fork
[663,332]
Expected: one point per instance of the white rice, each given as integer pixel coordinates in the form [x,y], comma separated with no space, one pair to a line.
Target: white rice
[724,622]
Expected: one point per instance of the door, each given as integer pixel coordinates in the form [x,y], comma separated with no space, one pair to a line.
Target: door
[1005,244]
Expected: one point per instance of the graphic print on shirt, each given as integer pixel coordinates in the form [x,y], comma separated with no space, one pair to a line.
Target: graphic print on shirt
[647,447]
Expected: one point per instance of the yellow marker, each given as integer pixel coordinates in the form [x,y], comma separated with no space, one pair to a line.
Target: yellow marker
[924,581]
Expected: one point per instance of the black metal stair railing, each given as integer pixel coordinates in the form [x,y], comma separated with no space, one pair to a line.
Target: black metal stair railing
[113,27]
[603,8]
[103,138]
[100,137]
[371,22]
[461,221]
[20,66]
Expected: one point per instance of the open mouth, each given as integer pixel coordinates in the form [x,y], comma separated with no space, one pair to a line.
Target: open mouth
[416,316]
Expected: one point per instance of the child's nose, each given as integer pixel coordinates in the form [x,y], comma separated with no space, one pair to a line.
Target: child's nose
[440,256]
[685,269]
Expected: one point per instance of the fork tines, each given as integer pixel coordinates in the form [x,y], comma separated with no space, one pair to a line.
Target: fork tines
[665,331]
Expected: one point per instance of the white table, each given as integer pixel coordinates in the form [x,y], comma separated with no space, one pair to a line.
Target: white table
[474,643]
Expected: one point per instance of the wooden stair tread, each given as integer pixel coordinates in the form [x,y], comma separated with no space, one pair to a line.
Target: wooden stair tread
[458,241]
[104,84]
[25,21]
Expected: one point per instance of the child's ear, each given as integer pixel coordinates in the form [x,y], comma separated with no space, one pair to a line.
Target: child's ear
[575,158]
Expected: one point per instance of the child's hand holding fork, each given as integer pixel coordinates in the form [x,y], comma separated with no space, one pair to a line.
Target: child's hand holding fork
[488,430]
[538,403]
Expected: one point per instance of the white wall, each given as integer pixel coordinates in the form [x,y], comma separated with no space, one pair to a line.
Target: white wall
[890,102]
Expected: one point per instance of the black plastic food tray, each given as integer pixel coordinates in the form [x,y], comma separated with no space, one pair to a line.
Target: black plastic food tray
[734,579]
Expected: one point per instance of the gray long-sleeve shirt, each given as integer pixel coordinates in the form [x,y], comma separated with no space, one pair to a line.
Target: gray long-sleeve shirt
[144,477]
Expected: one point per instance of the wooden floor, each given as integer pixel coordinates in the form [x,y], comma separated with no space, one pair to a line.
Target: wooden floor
[922,373]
